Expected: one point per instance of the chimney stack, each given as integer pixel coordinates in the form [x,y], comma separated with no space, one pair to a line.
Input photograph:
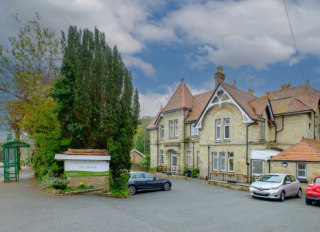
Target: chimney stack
[250,91]
[219,76]
[285,86]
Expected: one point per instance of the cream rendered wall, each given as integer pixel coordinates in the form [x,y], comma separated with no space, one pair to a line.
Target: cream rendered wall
[153,148]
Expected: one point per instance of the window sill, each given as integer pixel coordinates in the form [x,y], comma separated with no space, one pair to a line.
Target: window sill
[302,180]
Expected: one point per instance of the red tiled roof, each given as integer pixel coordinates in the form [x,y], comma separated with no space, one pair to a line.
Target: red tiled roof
[199,103]
[242,98]
[259,105]
[296,99]
[182,98]
[306,150]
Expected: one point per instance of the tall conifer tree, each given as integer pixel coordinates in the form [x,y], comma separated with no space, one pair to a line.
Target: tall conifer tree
[96,107]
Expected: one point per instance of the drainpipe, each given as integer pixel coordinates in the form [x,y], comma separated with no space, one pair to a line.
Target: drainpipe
[247,149]
[314,124]
[208,161]
[193,153]
[157,149]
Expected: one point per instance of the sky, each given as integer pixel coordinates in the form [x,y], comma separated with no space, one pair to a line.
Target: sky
[162,42]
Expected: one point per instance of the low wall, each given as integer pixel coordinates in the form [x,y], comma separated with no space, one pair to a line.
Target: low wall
[236,186]
[96,181]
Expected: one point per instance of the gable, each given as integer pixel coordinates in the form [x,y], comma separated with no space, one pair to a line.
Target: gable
[219,97]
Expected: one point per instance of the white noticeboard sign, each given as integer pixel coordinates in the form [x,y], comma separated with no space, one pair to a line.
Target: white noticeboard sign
[87,163]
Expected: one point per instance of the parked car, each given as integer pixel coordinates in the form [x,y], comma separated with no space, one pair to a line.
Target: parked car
[276,186]
[313,191]
[140,181]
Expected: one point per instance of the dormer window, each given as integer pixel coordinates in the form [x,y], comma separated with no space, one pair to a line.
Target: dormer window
[262,130]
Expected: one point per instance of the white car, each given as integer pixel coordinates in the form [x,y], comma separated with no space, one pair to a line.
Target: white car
[276,186]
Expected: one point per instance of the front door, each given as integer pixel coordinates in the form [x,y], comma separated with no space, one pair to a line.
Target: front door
[174,162]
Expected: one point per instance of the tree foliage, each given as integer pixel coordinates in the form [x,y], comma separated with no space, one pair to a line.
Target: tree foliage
[27,67]
[95,97]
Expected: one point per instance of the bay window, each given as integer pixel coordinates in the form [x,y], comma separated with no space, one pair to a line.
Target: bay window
[170,128]
[176,128]
[189,158]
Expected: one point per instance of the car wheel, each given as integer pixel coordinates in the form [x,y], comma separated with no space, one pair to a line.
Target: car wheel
[132,190]
[253,197]
[308,202]
[282,196]
[166,186]
[299,194]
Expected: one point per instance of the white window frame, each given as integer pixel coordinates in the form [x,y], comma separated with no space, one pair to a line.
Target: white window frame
[161,131]
[225,125]
[189,155]
[262,130]
[170,128]
[198,158]
[222,168]
[214,160]
[230,158]
[161,157]
[218,126]
[252,171]
[176,132]
[193,131]
[305,170]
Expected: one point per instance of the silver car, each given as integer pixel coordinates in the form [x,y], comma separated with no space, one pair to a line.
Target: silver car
[276,186]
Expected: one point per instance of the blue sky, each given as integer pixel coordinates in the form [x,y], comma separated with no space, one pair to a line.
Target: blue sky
[164,41]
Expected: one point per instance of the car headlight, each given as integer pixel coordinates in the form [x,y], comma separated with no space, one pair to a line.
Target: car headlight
[276,187]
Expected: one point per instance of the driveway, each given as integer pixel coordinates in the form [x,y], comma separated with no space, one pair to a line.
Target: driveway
[189,206]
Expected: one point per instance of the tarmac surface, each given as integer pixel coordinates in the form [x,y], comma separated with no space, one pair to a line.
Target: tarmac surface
[189,206]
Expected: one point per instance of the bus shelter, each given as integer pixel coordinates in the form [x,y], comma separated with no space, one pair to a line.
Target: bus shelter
[11,159]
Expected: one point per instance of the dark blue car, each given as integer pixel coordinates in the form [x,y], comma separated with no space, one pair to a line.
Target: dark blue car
[140,181]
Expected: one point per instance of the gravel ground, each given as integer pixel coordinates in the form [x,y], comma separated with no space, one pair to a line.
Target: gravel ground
[189,206]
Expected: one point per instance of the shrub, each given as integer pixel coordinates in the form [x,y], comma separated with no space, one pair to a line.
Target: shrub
[186,170]
[54,182]
[195,171]
[119,186]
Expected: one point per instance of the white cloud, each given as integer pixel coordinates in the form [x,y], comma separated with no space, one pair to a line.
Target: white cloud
[147,68]
[248,32]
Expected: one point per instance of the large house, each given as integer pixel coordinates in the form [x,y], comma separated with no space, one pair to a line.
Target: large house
[227,130]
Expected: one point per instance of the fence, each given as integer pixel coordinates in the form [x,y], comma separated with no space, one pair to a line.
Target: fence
[232,178]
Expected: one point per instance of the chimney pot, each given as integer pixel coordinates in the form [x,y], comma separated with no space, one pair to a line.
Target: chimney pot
[250,91]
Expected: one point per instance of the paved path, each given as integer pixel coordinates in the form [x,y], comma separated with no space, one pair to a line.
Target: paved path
[188,206]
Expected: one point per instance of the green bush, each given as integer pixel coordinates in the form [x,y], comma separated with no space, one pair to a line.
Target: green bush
[195,171]
[119,186]
[54,182]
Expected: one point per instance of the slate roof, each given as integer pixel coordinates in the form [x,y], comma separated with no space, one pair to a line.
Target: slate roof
[306,150]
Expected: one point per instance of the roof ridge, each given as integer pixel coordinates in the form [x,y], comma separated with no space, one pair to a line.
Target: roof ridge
[183,97]
[231,86]
[203,93]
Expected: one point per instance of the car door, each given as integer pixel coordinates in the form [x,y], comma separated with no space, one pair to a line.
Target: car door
[295,185]
[287,186]
[150,181]
[139,180]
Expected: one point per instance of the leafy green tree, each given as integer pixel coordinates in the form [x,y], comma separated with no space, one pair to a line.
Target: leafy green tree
[27,67]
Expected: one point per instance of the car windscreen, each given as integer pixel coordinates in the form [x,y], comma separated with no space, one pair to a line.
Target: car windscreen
[270,178]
